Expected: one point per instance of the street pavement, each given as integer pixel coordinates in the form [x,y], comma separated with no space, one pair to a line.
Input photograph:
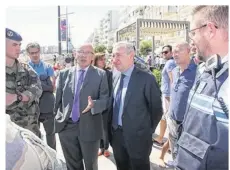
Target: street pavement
[109,163]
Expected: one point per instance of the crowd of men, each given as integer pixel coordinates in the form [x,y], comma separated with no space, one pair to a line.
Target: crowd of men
[95,106]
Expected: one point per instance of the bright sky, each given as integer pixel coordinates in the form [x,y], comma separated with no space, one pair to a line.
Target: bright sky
[41,23]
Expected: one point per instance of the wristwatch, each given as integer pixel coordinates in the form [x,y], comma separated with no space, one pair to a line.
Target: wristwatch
[19,98]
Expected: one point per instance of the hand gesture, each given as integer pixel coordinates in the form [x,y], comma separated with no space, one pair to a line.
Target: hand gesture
[90,105]
[10,98]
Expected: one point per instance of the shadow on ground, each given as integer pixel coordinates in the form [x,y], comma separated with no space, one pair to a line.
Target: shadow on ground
[152,165]
[156,167]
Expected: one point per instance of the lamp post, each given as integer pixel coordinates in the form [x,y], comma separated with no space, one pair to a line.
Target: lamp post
[59,31]
[67,30]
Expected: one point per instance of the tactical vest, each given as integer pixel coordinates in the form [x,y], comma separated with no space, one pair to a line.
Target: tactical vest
[203,143]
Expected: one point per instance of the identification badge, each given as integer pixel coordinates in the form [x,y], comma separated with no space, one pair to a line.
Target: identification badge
[201,87]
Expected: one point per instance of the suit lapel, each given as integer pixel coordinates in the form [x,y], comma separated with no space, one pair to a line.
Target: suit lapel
[131,86]
[87,76]
[73,79]
[116,77]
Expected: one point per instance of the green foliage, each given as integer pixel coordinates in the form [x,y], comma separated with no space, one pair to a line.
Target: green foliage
[145,47]
[157,74]
[100,49]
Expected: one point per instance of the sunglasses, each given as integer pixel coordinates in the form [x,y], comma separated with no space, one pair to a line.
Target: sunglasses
[165,52]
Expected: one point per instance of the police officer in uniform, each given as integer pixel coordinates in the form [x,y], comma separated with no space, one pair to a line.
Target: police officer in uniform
[203,142]
[23,88]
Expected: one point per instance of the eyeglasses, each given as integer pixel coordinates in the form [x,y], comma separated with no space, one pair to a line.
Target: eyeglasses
[164,52]
[85,52]
[192,32]
[33,53]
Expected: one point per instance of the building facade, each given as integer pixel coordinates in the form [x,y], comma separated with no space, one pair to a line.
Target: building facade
[129,14]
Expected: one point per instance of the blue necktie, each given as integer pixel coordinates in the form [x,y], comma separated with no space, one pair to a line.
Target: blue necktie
[76,107]
[117,103]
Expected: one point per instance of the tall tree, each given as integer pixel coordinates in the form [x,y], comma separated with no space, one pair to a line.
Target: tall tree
[100,49]
[145,47]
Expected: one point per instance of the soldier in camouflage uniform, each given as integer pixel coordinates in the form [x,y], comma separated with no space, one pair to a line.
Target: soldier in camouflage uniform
[23,88]
[25,151]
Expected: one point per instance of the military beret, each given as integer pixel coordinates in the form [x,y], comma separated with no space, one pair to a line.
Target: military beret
[10,34]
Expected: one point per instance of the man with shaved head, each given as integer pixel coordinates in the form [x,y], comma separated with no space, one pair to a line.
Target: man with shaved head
[81,96]
[183,79]
[183,76]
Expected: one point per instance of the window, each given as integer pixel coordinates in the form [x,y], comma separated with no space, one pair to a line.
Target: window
[172,9]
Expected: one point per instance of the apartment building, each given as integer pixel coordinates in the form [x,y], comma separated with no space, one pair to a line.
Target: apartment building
[129,14]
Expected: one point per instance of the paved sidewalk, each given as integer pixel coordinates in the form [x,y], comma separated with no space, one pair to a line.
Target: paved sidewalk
[109,163]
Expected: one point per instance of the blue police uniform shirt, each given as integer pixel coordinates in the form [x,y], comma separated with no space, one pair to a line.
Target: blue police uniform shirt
[182,83]
[42,68]
[126,79]
[165,81]
[10,34]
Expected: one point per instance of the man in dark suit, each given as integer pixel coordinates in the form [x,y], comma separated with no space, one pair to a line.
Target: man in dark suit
[135,111]
[81,96]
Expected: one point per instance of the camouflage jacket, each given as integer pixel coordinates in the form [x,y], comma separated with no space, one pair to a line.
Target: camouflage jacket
[25,151]
[22,79]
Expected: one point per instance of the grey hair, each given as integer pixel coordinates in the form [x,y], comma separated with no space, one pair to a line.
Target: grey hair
[183,44]
[217,14]
[128,46]
[32,45]
[84,44]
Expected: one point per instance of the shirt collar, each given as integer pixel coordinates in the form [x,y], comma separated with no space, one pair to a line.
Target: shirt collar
[190,67]
[224,59]
[78,68]
[34,65]
[129,71]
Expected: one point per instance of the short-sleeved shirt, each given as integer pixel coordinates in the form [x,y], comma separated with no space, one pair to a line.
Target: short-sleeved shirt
[42,68]
[182,83]
[165,81]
